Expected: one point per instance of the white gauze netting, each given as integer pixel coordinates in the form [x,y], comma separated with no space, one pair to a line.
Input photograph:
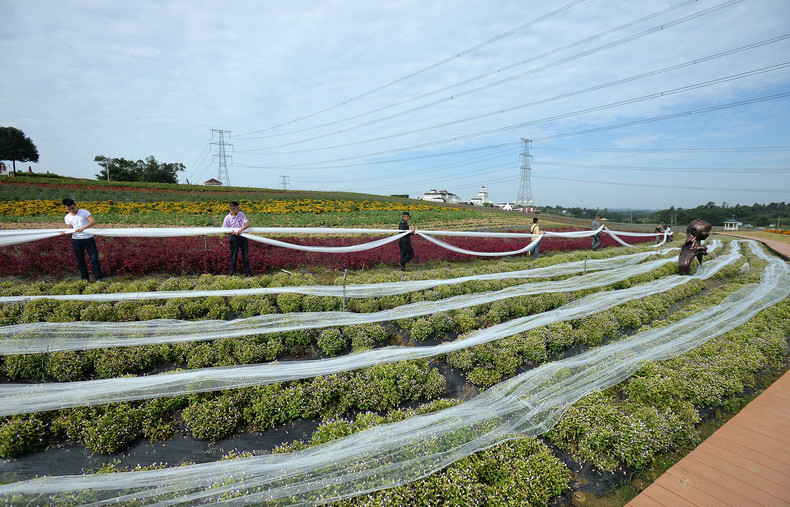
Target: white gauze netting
[19,236]
[397,453]
[26,398]
[357,290]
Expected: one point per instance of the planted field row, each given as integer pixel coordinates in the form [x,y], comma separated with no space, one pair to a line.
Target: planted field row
[197,255]
[30,335]
[267,206]
[667,424]
[40,187]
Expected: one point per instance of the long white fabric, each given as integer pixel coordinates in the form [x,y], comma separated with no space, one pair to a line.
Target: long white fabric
[393,454]
[17,236]
[450,247]
[27,398]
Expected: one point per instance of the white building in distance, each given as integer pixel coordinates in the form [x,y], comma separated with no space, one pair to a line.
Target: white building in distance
[441,196]
[482,197]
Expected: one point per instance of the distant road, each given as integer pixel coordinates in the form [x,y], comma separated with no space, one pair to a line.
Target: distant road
[779,243]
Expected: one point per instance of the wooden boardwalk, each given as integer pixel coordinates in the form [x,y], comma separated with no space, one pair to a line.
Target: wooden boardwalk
[744,463]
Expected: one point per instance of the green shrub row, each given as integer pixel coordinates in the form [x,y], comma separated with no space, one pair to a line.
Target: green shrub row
[490,363]
[111,428]
[68,366]
[242,306]
[654,411]
[522,471]
[517,473]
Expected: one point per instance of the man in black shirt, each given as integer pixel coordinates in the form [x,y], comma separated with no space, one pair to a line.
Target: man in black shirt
[406,251]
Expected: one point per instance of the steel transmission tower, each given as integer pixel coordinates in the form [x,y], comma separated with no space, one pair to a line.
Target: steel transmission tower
[222,172]
[525,188]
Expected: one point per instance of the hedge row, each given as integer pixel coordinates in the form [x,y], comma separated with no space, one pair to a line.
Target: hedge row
[656,410]
[111,428]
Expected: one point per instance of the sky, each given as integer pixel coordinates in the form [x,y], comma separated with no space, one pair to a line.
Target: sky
[641,105]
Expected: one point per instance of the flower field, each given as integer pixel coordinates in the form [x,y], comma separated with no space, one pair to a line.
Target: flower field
[481,330]
[267,206]
[197,255]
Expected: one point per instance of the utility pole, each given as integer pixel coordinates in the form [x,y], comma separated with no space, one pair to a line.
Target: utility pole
[222,158]
[525,187]
[284,182]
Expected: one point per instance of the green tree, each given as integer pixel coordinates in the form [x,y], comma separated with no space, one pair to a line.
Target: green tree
[758,215]
[15,145]
[149,170]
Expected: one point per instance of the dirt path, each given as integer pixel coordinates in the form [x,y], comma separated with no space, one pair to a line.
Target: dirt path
[779,243]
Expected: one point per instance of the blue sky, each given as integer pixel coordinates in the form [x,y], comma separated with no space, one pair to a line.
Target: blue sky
[629,104]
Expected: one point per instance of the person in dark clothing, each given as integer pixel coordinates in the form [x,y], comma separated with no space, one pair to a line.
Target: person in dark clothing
[596,238]
[659,230]
[406,250]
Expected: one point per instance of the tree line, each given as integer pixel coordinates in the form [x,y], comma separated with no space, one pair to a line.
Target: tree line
[148,170]
[774,214]
[15,146]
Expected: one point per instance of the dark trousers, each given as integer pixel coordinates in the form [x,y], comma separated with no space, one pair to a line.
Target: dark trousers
[406,253]
[596,241]
[80,246]
[239,243]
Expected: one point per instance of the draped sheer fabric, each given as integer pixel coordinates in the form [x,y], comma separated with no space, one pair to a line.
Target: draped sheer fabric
[27,398]
[19,236]
[80,335]
[397,453]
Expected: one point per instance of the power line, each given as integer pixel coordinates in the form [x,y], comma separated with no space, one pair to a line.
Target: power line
[476,173]
[432,66]
[671,169]
[508,67]
[546,138]
[659,185]
[533,71]
[405,159]
[668,116]
[200,159]
[434,20]
[748,149]
[611,105]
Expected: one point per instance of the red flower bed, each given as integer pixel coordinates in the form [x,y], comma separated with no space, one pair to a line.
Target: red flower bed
[194,255]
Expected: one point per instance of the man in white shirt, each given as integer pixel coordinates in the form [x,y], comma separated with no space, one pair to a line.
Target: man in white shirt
[81,241]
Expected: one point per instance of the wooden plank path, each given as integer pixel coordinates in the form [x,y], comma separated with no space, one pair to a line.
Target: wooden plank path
[744,463]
